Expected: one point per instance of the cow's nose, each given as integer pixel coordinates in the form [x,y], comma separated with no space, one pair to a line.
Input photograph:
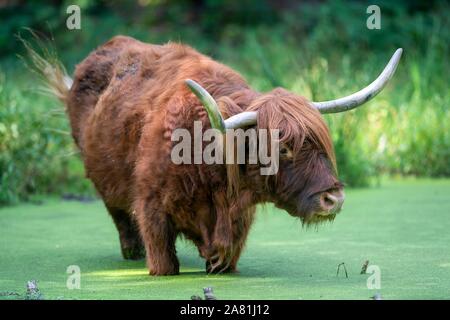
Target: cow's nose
[331,201]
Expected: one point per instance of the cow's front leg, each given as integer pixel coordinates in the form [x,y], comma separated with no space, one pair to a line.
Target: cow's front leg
[224,259]
[159,236]
[222,242]
[227,255]
[221,256]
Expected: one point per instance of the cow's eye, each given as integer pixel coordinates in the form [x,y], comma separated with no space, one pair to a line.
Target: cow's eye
[285,152]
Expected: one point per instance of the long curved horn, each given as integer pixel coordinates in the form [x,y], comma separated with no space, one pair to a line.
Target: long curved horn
[239,120]
[358,98]
[333,106]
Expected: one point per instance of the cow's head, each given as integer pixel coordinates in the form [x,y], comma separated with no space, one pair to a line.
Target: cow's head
[306,183]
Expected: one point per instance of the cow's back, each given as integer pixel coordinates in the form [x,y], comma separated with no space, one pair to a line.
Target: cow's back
[92,78]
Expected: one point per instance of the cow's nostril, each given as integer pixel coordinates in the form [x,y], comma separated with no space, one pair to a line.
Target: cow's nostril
[331,203]
[328,201]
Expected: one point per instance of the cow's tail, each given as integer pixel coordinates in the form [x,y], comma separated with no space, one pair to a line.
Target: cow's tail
[44,62]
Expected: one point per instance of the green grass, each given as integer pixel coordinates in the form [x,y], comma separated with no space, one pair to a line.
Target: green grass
[403,227]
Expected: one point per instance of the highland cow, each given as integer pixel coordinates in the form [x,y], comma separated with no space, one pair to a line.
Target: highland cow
[125,101]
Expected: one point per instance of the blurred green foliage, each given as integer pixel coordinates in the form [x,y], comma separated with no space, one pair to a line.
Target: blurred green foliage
[319,49]
[36,152]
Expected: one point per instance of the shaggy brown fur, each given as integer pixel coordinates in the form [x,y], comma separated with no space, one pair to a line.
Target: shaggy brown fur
[127,98]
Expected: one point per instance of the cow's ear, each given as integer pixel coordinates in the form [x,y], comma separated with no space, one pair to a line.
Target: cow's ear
[285,151]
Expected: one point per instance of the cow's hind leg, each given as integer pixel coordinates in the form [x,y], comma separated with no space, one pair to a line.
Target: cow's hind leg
[130,240]
[159,236]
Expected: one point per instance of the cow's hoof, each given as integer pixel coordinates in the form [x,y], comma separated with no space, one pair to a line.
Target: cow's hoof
[171,272]
[220,269]
[133,253]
